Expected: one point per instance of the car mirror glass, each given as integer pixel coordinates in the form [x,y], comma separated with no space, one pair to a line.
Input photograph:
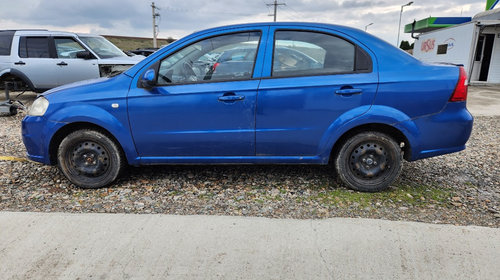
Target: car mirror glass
[148,79]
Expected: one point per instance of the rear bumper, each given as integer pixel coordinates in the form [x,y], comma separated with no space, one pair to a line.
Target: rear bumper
[439,134]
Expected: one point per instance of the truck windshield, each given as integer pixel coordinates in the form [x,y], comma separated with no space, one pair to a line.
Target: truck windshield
[102,47]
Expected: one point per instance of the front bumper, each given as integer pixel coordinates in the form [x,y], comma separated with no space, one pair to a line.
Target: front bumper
[36,132]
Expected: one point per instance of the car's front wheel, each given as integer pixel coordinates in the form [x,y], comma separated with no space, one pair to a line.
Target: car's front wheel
[90,159]
[369,161]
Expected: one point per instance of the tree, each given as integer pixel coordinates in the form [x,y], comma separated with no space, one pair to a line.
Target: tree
[405,45]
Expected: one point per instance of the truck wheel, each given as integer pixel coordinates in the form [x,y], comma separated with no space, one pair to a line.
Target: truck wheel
[90,159]
[12,110]
[369,162]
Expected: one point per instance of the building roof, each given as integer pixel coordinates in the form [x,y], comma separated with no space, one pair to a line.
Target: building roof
[433,23]
[488,15]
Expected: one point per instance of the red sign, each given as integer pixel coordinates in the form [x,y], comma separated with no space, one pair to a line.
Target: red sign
[428,45]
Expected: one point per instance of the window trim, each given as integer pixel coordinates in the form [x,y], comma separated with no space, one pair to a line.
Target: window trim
[261,32]
[356,46]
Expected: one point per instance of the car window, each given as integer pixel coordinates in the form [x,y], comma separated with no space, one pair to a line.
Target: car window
[220,58]
[5,42]
[34,47]
[308,53]
[102,47]
[67,47]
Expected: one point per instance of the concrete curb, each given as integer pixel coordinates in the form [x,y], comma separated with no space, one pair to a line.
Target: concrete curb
[127,246]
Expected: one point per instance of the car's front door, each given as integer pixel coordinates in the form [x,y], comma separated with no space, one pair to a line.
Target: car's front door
[70,68]
[314,77]
[201,107]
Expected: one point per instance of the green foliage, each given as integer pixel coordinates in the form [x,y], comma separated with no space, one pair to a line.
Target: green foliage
[405,45]
[132,43]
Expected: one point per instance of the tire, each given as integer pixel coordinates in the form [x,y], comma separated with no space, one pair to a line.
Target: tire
[90,159]
[369,162]
[12,110]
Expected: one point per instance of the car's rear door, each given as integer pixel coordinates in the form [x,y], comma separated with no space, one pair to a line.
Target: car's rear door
[35,60]
[312,77]
[196,111]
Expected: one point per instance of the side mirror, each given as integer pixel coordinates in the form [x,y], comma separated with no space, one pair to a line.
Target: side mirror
[148,80]
[84,55]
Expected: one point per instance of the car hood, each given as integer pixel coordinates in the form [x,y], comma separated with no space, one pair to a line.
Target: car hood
[90,90]
[130,60]
[75,84]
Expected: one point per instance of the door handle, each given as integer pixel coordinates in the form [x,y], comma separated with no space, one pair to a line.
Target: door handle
[231,97]
[348,91]
[62,63]
[20,62]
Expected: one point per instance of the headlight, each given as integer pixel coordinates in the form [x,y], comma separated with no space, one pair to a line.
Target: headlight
[39,107]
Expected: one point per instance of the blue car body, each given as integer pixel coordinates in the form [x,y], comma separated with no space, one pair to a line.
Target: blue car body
[280,120]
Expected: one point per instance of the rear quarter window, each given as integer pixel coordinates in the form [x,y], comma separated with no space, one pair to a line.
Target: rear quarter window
[5,42]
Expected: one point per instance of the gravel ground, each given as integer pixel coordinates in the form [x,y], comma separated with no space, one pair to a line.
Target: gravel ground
[461,188]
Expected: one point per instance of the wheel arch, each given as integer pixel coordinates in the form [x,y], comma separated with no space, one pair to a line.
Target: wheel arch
[64,131]
[17,74]
[389,130]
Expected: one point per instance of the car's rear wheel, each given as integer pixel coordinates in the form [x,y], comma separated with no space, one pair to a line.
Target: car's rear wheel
[369,161]
[90,159]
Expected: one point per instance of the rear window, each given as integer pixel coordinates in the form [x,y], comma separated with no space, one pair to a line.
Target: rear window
[34,47]
[302,53]
[5,42]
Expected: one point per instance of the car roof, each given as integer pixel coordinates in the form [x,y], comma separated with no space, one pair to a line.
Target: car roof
[46,32]
[43,32]
[287,23]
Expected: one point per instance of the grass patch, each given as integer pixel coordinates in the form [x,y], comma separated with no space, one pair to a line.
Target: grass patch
[174,193]
[207,196]
[132,43]
[415,195]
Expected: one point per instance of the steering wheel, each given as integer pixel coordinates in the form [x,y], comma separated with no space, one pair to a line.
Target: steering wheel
[188,70]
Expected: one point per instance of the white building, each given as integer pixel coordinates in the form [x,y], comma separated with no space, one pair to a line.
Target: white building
[475,44]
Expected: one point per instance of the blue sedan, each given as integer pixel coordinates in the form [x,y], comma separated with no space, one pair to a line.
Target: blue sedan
[363,106]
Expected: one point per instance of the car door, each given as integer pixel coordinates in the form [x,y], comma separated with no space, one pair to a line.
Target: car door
[71,68]
[311,78]
[36,61]
[200,106]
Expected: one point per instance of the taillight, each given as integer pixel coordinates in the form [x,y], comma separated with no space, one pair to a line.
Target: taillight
[460,93]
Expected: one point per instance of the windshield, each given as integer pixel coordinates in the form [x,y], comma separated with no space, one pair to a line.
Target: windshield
[102,47]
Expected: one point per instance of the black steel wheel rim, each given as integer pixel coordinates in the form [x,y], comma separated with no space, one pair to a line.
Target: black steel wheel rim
[89,158]
[369,160]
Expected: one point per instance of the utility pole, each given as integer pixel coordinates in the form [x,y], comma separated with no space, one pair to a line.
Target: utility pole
[275,4]
[155,26]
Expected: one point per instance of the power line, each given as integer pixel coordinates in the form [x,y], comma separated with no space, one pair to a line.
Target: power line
[292,12]
[275,4]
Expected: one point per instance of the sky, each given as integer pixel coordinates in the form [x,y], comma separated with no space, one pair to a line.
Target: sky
[182,17]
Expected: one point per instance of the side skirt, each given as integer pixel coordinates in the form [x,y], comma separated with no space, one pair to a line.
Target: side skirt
[233,160]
